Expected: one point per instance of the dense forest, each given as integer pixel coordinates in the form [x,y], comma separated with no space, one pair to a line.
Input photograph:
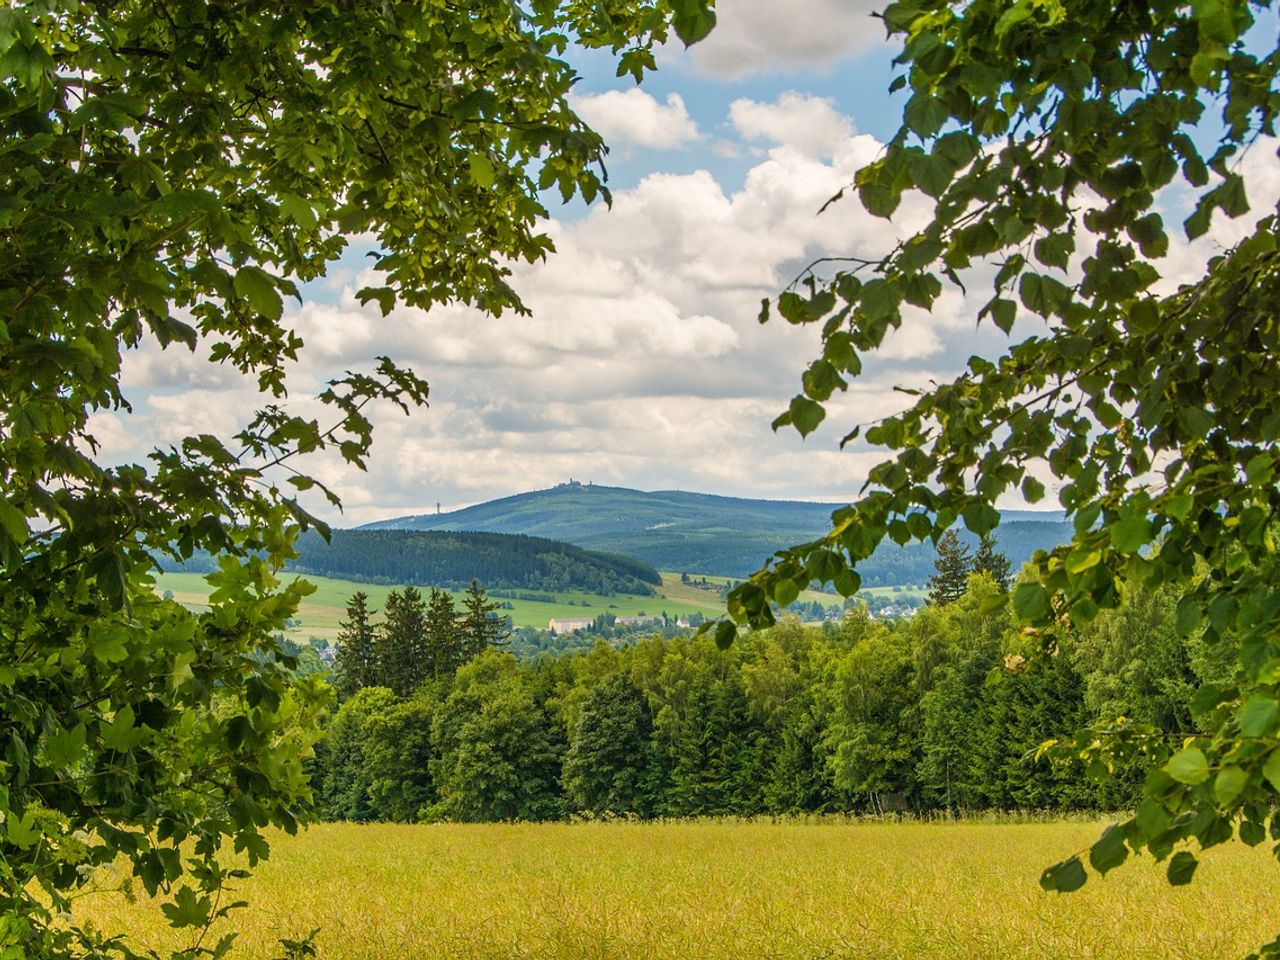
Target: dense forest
[451,560]
[941,712]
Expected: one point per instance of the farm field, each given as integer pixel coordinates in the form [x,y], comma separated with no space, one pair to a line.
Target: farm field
[739,891]
[321,612]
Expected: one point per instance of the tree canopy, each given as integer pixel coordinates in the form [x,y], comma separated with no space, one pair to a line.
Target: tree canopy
[169,173]
[1048,137]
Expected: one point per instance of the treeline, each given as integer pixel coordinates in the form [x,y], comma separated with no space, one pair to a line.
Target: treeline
[448,559]
[941,712]
[417,640]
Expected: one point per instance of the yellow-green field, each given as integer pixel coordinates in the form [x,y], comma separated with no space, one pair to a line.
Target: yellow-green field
[742,891]
[321,612]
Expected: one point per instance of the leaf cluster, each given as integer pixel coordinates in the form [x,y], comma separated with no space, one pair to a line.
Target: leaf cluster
[1044,133]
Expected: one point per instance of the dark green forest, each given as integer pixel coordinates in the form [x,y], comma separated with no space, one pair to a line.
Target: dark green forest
[942,712]
[453,559]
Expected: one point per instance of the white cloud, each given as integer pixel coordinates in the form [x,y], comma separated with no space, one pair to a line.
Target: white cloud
[761,36]
[634,118]
[809,124]
[642,363]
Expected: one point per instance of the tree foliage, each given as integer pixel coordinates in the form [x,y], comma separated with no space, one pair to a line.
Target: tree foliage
[952,564]
[1045,133]
[169,172]
[940,713]
[990,560]
[355,664]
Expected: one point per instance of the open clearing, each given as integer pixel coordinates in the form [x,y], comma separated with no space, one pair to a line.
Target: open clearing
[744,891]
[321,612]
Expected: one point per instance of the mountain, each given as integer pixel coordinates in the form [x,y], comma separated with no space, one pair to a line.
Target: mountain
[704,533]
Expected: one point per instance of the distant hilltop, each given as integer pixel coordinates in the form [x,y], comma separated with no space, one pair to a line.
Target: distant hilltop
[706,533]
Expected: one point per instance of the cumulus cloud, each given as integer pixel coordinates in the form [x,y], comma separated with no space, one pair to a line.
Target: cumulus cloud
[752,37]
[634,118]
[809,124]
[642,363]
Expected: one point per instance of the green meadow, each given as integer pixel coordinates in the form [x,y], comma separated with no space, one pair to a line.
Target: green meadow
[321,612]
[723,891]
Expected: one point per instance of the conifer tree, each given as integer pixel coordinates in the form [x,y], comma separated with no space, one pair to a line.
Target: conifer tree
[953,565]
[991,561]
[356,662]
[402,640]
[442,641]
[481,626]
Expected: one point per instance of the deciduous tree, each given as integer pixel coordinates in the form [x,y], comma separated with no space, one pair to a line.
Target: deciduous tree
[1046,135]
[169,172]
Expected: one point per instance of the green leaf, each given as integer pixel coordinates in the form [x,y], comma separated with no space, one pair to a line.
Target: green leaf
[22,831]
[806,414]
[726,632]
[1188,616]
[1188,766]
[932,174]
[298,210]
[1131,534]
[1252,832]
[693,20]
[1231,196]
[1181,868]
[481,167]
[1109,851]
[66,747]
[1031,602]
[1229,784]
[1271,770]
[13,522]
[188,910]
[785,591]
[120,734]
[1004,313]
[1032,489]
[1259,716]
[259,288]
[1064,877]
[925,114]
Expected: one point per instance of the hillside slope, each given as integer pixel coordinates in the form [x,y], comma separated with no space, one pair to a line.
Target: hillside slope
[453,559]
[704,533]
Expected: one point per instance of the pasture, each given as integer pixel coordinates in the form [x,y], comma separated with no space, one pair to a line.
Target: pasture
[320,613]
[726,891]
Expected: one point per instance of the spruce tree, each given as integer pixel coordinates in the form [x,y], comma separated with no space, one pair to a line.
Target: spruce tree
[481,626]
[953,565]
[443,644]
[356,662]
[992,562]
[402,642]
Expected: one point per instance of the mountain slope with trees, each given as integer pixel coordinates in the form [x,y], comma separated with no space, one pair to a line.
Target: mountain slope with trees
[705,533]
[449,559]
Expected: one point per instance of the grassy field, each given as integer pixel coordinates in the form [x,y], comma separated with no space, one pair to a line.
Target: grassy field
[741,891]
[321,612]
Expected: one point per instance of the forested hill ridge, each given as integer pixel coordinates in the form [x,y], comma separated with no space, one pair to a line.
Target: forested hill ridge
[451,559]
[705,533]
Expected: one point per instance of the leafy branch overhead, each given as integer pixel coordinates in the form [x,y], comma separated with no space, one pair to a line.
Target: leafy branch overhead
[1044,134]
[170,173]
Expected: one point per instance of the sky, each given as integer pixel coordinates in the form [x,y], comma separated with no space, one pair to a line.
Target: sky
[643,364]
